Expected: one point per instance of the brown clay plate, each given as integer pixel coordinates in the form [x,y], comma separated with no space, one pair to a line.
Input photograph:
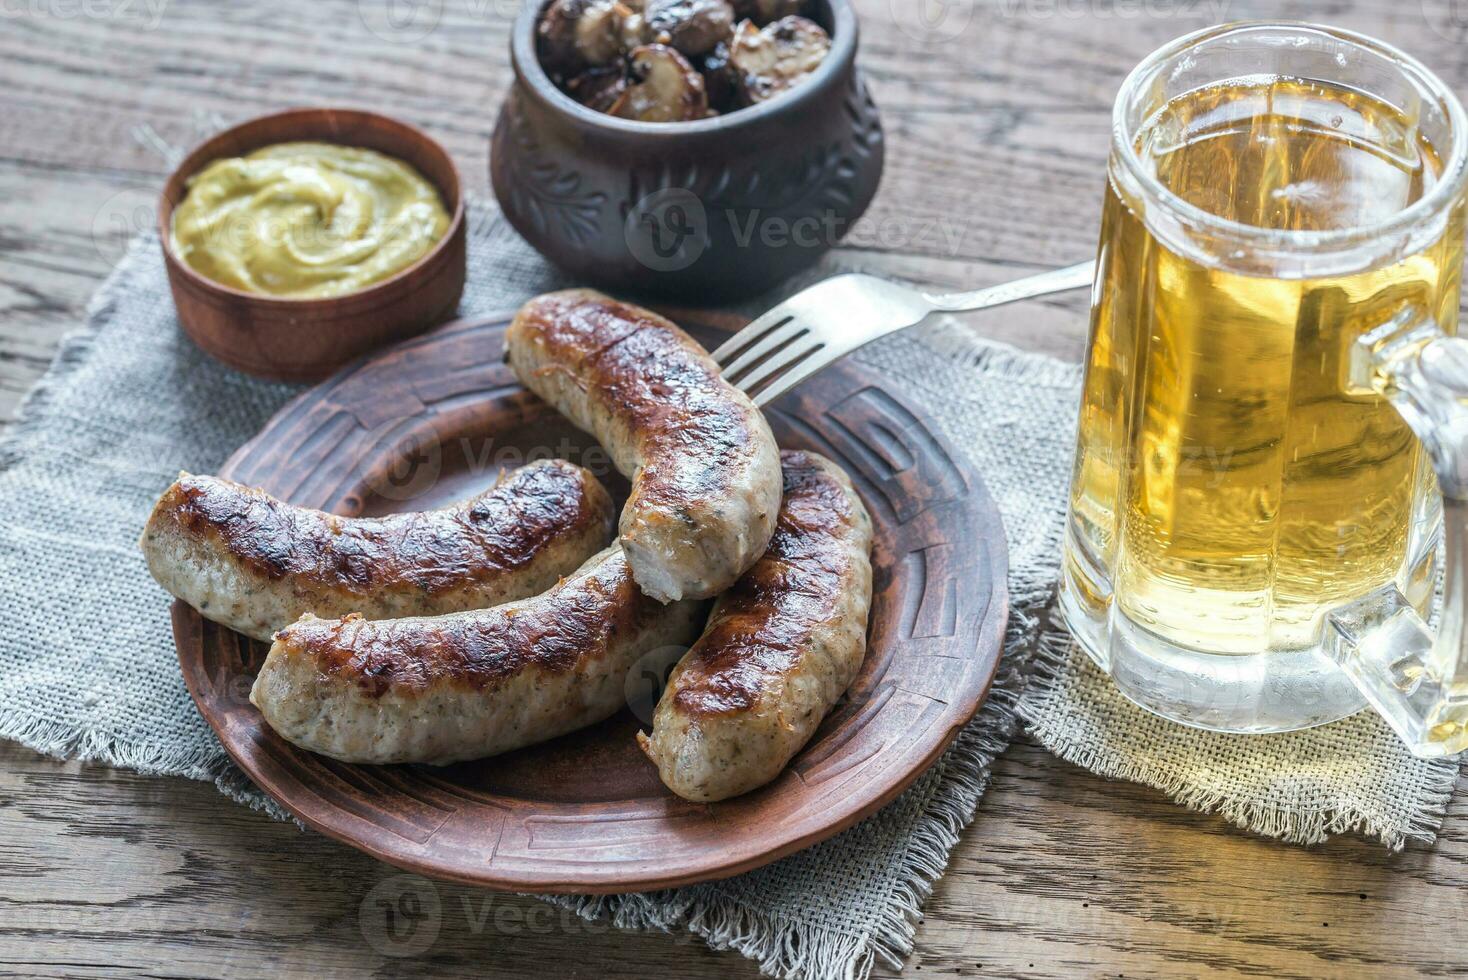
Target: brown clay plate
[433,420]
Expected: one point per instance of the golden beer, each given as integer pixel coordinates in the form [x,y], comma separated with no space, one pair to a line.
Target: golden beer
[1232,486]
[1224,475]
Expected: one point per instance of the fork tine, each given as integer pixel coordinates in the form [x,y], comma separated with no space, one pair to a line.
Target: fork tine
[796,353]
[771,346]
[756,329]
[809,299]
[794,376]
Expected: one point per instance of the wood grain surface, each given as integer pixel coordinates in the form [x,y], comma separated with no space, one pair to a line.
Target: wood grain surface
[997,137]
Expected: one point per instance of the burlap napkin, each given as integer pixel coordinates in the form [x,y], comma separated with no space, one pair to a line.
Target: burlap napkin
[129,402]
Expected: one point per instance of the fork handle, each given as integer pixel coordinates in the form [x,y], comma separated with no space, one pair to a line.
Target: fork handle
[1054,281]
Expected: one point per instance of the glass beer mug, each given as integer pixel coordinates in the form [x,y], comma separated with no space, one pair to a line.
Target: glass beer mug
[1275,392]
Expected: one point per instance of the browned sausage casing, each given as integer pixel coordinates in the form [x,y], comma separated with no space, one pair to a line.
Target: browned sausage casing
[780,649]
[256,564]
[703,463]
[470,685]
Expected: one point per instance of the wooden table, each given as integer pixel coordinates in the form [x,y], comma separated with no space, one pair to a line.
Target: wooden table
[997,141]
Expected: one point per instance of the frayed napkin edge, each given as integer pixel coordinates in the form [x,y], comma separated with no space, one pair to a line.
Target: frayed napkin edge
[72,351]
[790,952]
[1427,811]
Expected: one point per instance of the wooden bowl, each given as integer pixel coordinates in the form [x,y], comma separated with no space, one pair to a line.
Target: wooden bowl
[718,208]
[309,339]
[586,813]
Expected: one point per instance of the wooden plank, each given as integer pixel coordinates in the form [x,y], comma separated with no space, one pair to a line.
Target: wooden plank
[997,139]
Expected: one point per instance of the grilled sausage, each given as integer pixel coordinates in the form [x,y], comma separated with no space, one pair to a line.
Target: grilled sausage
[255,564]
[780,649]
[469,685]
[704,468]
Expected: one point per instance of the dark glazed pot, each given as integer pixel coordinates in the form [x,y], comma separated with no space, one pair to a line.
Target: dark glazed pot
[714,209]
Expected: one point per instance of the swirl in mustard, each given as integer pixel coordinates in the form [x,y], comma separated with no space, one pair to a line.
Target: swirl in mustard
[307,220]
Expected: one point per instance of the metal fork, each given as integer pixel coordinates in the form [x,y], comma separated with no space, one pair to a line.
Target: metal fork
[829,320]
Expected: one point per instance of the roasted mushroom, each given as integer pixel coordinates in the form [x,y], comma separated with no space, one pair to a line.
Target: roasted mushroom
[777,57]
[574,35]
[634,30]
[677,60]
[694,27]
[764,11]
[719,78]
[665,88]
[599,88]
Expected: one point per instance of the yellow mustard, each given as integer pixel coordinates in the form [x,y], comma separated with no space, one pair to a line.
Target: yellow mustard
[306,220]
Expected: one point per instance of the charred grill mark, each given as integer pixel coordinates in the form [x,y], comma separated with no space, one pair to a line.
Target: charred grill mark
[643,370]
[204,506]
[575,623]
[766,622]
[499,531]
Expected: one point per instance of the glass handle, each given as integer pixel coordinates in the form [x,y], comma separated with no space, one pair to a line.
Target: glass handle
[1417,681]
